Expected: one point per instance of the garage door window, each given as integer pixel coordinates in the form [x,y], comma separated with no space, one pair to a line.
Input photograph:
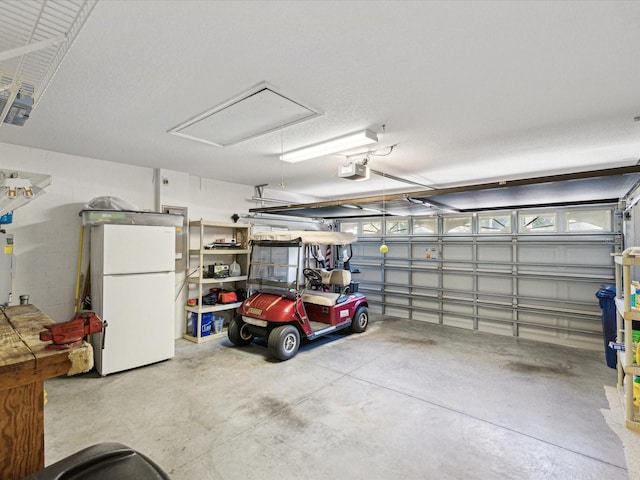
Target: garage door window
[372,228]
[425,225]
[537,222]
[457,225]
[589,221]
[492,223]
[397,227]
[349,227]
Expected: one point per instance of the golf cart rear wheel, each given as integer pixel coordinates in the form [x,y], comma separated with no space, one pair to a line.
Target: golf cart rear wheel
[284,342]
[239,333]
[360,320]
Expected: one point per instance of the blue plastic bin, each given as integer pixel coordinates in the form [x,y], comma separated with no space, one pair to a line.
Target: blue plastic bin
[606,296]
[205,324]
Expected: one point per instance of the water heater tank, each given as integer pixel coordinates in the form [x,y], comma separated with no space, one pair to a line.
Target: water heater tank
[6,267]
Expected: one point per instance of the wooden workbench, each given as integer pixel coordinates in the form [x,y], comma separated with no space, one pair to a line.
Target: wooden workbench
[24,365]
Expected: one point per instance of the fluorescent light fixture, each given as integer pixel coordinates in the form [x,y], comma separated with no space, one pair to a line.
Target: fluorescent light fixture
[335,145]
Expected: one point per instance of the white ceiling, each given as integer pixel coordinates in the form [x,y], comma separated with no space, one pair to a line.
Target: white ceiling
[468,92]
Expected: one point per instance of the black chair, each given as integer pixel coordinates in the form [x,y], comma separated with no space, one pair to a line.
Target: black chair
[104,461]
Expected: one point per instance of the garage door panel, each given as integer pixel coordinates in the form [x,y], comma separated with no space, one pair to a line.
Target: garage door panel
[541,288]
[426,317]
[397,276]
[495,285]
[584,293]
[538,319]
[458,281]
[457,252]
[397,251]
[495,328]
[495,253]
[571,339]
[426,303]
[376,308]
[397,311]
[539,254]
[419,252]
[426,279]
[455,321]
[366,250]
[373,297]
[368,274]
[457,307]
[495,313]
[568,255]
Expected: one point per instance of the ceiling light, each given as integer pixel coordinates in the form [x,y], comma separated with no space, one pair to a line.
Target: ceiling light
[335,145]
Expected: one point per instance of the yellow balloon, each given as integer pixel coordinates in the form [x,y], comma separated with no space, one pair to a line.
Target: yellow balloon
[384,248]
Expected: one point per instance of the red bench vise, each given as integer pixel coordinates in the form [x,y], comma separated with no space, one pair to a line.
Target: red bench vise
[70,334]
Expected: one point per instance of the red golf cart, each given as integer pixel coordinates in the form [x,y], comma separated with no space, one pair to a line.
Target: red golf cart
[290,295]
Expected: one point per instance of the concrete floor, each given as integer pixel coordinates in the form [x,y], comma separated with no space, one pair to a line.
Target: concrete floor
[405,399]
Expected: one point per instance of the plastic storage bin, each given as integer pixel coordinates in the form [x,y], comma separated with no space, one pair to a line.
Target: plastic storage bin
[606,296]
[205,326]
[218,324]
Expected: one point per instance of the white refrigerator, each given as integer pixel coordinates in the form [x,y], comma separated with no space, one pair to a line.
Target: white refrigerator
[132,291]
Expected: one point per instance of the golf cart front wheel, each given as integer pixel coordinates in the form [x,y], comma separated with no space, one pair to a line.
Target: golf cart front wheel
[284,342]
[360,320]
[239,333]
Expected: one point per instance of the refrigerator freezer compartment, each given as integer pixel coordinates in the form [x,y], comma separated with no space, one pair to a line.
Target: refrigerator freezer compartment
[125,249]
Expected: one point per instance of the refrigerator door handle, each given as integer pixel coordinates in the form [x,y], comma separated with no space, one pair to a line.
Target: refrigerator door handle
[104,332]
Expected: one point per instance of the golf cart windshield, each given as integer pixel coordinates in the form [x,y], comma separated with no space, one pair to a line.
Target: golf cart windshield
[277,258]
[274,267]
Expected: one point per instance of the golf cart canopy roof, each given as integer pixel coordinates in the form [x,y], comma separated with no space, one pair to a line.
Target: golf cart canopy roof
[310,238]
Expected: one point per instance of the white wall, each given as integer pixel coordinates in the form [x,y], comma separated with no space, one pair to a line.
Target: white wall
[46,231]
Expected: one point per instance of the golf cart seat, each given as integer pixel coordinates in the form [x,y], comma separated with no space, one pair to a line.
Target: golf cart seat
[339,278]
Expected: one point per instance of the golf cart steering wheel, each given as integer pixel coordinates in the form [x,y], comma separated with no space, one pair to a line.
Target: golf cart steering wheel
[313,276]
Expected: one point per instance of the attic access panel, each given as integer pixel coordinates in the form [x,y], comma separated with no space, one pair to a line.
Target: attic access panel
[256,112]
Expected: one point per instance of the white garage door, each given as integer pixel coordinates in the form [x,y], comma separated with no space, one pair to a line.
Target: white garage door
[526,273]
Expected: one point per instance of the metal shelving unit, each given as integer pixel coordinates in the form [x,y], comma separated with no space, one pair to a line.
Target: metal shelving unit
[207,232]
[626,315]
